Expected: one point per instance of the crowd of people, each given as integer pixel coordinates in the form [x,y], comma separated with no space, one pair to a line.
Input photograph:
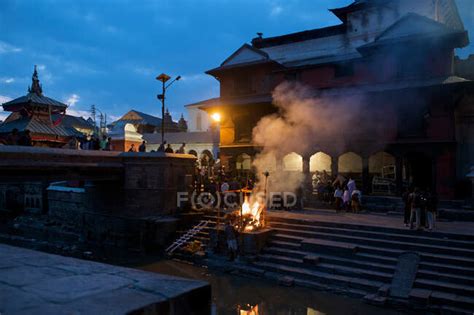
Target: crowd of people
[17,138]
[421,207]
[91,142]
[340,192]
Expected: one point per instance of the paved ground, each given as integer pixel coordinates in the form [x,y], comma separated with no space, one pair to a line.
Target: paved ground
[33,282]
[372,220]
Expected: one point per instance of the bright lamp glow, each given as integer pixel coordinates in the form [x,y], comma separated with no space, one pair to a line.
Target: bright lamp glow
[216,117]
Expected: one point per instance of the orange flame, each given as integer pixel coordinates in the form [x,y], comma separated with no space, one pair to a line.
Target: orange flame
[253,210]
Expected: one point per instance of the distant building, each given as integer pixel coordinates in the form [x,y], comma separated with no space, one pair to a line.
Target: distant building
[44,117]
[198,119]
[198,143]
[397,54]
[145,123]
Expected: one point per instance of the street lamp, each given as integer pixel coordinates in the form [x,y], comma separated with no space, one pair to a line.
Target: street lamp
[163,78]
[216,117]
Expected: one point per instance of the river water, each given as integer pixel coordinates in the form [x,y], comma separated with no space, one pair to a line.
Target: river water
[235,295]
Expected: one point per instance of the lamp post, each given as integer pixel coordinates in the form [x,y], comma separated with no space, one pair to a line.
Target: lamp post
[163,78]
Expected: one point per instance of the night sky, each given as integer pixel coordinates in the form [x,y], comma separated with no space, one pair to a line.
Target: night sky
[108,53]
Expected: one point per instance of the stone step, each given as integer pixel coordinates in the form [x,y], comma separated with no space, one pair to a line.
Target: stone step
[348,249]
[328,268]
[322,277]
[462,237]
[463,290]
[423,239]
[352,292]
[426,270]
[446,277]
[352,262]
[449,301]
[373,241]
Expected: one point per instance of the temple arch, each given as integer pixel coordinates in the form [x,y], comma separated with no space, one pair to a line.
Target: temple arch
[293,162]
[350,163]
[382,164]
[320,162]
[243,162]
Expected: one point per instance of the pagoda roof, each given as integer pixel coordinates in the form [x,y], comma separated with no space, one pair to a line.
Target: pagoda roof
[34,97]
[39,126]
[138,118]
[31,99]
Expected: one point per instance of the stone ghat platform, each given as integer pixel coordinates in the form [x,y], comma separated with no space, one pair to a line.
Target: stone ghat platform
[33,282]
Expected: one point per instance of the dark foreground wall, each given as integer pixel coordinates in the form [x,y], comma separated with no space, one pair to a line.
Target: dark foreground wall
[38,283]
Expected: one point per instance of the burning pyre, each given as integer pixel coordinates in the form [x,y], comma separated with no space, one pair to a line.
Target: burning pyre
[251,215]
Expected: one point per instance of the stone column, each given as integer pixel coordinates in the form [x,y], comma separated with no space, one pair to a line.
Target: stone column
[306,171]
[334,166]
[399,174]
[365,175]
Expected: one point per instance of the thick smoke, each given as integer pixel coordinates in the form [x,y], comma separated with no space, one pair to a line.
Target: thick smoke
[303,122]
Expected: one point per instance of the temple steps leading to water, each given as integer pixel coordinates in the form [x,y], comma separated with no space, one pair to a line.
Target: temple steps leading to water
[360,260]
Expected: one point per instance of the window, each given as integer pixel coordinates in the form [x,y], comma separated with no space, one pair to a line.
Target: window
[344,70]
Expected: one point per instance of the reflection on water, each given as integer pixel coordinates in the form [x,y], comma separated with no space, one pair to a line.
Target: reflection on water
[235,295]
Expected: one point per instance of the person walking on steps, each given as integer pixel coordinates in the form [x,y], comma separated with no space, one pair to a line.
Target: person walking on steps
[231,240]
[416,204]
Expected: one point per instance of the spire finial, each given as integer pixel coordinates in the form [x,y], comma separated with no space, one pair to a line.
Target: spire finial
[35,84]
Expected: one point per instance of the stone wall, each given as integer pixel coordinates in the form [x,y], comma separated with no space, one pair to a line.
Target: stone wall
[152,182]
[67,207]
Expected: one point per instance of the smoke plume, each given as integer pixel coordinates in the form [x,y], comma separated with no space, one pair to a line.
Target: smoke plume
[303,123]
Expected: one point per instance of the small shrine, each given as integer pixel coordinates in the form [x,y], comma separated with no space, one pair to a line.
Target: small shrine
[44,118]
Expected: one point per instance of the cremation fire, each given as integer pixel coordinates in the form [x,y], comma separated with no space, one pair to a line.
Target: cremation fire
[251,214]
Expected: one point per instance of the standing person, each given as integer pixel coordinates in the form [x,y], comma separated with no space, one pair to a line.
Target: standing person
[351,185]
[338,194]
[142,147]
[169,149]
[231,240]
[182,149]
[95,143]
[224,189]
[356,200]
[162,147]
[431,209]
[13,137]
[346,198]
[108,146]
[415,202]
[73,143]
[406,202]
[25,139]
[103,143]
[86,144]
[132,148]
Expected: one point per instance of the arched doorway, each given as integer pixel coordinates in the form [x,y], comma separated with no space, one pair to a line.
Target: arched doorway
[243,163]
[350,165]
[419,170]
[382,173]
[320,169]
[382,164]
[293,162]
[320,162]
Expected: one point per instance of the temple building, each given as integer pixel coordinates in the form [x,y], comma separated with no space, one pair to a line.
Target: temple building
[44,117]
[399,55]
[145,123]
